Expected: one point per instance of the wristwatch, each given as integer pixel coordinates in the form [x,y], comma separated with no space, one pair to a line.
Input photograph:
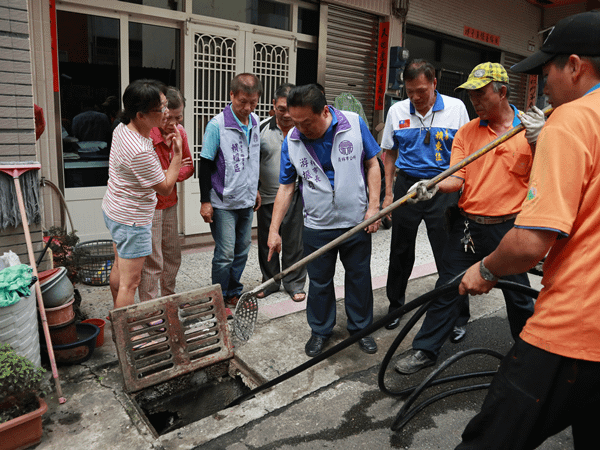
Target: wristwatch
[486,274]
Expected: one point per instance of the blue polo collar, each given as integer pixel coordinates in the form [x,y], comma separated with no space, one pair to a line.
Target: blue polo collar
[231,120]
[593,89]
[516,120]
[437,106]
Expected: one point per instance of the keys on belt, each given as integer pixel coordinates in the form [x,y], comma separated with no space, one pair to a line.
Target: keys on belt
[467,240]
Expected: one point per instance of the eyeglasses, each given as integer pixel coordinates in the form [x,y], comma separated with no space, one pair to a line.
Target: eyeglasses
[162,110]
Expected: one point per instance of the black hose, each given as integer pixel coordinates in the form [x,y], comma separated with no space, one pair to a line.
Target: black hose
[405,414]
[39,260]
[349,341]
[423,302]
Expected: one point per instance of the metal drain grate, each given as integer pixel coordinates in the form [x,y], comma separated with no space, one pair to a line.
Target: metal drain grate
[169,336]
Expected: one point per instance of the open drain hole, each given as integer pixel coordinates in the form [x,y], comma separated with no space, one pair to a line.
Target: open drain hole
[191,397]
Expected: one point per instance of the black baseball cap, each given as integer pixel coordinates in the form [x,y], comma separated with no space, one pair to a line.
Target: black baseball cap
[578,34]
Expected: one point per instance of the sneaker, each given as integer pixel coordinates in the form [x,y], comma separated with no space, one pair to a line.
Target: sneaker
[413,363]
[458,334]
[232,301]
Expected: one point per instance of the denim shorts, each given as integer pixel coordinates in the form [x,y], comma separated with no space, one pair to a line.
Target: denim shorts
[132,241]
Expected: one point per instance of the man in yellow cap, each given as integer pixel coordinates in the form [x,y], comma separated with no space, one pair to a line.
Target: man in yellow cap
[494,186]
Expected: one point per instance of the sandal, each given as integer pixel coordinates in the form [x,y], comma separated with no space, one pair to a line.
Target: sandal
[266,293]
[296,298]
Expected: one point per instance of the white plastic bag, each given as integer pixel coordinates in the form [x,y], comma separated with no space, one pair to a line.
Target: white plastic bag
[9,259]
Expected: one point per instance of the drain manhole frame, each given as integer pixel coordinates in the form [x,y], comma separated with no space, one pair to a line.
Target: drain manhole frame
[237,369]
[169,336]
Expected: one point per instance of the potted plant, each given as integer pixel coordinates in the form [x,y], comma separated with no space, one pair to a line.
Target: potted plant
[65,251]
[21,405]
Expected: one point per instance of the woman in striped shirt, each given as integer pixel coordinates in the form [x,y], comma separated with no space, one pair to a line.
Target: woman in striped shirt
[135,176]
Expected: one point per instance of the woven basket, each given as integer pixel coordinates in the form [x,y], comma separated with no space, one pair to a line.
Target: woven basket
[96,262]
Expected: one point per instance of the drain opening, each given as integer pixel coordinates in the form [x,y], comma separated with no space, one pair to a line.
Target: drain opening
[191,397]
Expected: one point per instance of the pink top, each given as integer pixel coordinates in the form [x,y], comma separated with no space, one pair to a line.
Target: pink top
[133,169]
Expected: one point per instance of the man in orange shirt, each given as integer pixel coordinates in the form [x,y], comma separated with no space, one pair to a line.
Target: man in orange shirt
[550,379]
[494,186]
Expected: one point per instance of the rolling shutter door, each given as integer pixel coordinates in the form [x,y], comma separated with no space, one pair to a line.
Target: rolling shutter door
[517,81]
[351,56]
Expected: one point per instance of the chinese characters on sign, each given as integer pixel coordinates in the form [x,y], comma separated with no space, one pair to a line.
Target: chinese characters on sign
[439,137]
[481,36]
[532,91]
[382,62]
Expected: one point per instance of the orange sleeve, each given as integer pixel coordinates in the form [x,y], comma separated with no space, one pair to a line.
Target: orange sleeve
[557,180]
[458,152]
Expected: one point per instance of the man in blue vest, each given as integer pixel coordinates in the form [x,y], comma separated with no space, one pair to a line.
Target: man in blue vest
[335,156]
[229,167]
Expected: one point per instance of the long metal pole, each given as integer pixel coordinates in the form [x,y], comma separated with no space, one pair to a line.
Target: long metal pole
[384,212]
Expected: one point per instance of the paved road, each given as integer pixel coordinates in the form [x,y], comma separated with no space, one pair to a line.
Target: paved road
[352,413]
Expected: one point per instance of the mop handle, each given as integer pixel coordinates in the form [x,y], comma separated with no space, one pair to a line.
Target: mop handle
[384,212]
[38,291]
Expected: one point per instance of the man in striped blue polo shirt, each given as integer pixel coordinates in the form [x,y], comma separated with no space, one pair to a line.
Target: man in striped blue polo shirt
[417,140]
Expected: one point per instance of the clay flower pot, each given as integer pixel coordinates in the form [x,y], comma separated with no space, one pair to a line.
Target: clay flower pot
[63,334]
[61,315]
[23,431]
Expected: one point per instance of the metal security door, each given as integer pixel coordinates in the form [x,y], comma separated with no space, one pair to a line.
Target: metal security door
[215,56]
[272,58]
[350,63]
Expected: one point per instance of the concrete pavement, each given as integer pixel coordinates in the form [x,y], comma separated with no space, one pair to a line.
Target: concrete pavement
[335,404]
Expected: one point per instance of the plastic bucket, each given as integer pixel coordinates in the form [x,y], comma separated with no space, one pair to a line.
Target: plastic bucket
[19,328]
[100,324]
[56,287]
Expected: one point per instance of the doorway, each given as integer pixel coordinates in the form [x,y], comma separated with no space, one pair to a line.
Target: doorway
[217,55]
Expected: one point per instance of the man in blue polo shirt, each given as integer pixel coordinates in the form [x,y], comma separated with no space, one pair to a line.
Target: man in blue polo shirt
[417,140]
[335,156]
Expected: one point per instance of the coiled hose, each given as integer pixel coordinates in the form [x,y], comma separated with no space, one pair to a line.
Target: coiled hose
[423,303]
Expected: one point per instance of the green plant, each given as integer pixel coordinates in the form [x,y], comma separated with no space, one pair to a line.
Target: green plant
[20,384]
[65,251]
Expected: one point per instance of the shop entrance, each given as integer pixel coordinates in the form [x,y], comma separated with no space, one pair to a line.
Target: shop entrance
[216,55]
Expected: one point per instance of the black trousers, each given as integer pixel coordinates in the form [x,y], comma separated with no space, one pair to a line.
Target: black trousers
[535,395]
[442,315]
[355,255]
[405,224]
